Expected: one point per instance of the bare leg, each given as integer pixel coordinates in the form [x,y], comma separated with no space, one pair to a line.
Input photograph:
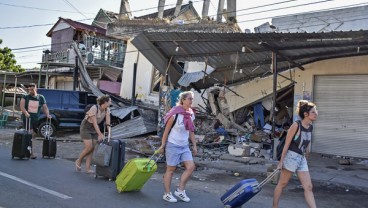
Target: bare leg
[283,181]
[167,177]
[189,168]
[88,147]
[305,180]
[89,157]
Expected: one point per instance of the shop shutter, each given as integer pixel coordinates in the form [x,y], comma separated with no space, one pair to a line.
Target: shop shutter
[342,124]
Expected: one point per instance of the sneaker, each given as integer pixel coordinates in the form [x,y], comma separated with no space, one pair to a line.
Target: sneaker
[181,195]
[169,197]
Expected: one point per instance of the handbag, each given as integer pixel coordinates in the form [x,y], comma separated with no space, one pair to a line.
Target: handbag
[102,153]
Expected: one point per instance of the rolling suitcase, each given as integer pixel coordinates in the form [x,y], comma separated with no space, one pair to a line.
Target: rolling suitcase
[244,191]
[117,160]
[49,147]
[22,142]
[136,173]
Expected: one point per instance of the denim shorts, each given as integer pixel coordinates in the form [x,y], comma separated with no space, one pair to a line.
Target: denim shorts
[295,162]
[176,154]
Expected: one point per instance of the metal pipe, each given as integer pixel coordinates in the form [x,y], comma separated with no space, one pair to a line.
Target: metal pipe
[47,77]
[134,83]
[75,74]
[15,93]
[3,94]
[274,95]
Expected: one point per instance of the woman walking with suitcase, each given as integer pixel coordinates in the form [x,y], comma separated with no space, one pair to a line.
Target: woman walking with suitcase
[296,152]
[179,128]
[90,131]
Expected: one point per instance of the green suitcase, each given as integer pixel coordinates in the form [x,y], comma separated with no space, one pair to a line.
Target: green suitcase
[135,174]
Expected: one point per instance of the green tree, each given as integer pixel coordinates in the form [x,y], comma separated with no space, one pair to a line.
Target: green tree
[7,60]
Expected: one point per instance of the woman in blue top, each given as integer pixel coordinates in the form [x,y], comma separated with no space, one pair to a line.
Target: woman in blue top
[296,152]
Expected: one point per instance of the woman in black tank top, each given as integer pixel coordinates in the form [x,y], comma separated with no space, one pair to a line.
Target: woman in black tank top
[296,152]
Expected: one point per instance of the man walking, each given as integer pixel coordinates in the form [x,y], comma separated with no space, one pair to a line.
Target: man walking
[31,105]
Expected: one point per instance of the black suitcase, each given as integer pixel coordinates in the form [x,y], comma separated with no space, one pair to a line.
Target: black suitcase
[49,147]
[117,161]
[22,142]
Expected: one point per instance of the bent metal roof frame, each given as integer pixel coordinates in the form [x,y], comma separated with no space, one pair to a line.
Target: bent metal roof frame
[227,53]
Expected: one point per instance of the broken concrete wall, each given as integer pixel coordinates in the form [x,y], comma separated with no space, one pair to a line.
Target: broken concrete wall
[255,90]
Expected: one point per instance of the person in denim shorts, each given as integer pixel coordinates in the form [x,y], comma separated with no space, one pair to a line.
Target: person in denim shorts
[175,144]
[296,152]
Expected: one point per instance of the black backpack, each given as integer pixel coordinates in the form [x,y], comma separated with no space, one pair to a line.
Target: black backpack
[280,146]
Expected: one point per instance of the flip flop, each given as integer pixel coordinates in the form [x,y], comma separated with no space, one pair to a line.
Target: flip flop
[33,157]
[77,167]
[90,172]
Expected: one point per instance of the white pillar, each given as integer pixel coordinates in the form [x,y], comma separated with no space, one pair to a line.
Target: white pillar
[178,7]
[220,10]
[161,8]
[125,10]
[231,10]
[206,6]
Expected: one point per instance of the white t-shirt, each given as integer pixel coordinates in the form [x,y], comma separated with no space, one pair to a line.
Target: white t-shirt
[179,135]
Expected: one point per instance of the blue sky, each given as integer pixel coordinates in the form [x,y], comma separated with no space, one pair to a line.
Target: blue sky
[15,14]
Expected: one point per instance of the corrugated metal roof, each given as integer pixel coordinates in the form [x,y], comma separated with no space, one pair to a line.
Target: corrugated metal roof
[78,26]
[193,77]
[230,52]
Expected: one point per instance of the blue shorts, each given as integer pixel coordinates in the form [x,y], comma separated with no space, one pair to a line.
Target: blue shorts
[176,154]
[295,162]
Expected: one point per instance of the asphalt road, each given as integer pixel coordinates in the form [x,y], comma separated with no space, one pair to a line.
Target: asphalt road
[55,183]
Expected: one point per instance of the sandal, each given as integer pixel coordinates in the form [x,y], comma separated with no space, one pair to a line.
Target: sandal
[78,168]
[33,157]
[90,172]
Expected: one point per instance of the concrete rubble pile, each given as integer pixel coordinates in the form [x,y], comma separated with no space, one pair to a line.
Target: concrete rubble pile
[221,134]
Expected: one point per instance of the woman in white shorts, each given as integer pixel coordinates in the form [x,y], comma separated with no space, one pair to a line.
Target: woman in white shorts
[296,152]
[179,128]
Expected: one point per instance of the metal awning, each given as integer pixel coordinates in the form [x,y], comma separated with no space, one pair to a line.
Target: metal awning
[240,57]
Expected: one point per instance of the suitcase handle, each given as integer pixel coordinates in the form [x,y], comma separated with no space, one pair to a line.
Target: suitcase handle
[48,125]
[260,185]
[108,134]
[151,158]
[28,124]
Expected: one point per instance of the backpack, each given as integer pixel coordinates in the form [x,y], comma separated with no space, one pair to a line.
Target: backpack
[88,107]
[280,146]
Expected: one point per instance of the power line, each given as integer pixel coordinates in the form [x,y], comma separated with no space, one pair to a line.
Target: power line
[75,8]
[322,15]
[41,25]
[36,8]
[136,31]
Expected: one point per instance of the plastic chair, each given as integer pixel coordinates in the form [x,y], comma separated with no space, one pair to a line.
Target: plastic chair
[4,119]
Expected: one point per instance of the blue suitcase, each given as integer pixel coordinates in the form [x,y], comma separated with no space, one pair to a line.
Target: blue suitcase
[244,191]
